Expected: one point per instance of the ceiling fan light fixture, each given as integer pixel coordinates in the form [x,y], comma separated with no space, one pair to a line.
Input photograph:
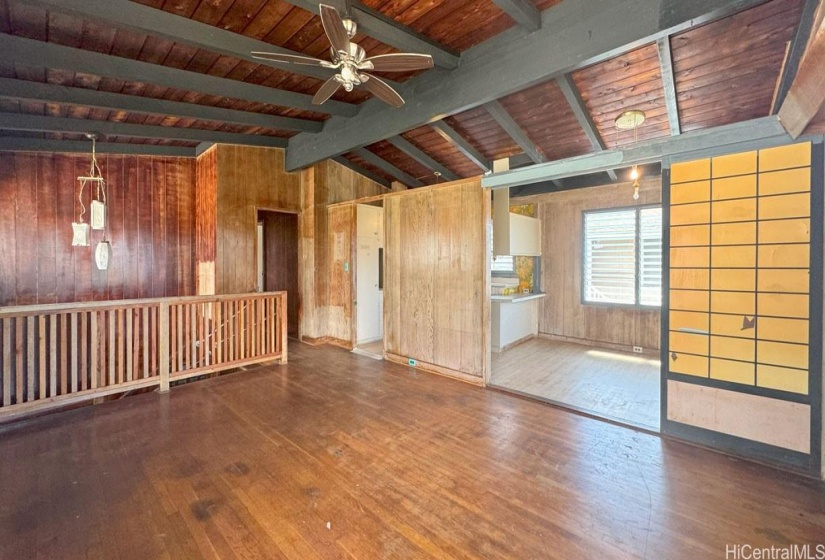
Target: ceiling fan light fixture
[351,61]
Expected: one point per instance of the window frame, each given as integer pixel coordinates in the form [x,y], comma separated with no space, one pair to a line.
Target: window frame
[637,249]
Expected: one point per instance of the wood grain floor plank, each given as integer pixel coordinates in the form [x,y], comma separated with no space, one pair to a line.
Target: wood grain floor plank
[341,456]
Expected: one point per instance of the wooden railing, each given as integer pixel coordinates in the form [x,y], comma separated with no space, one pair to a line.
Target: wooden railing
[55,355]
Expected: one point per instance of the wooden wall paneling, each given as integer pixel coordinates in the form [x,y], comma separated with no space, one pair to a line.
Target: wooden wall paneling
[67,212]
[185,180]
[62,273]
[172,226]
[306,257]
[26,228]
[46,232]
[8,223]
[206,204]
[561,313]
[140,177]
[248,179]
[435,286]
[331,183]
[119,234]
[341,247]
[159,240]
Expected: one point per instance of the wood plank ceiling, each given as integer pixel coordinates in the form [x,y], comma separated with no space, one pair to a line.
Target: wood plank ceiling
[724,72]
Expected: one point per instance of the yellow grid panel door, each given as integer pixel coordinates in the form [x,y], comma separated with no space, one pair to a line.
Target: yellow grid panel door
[740,268]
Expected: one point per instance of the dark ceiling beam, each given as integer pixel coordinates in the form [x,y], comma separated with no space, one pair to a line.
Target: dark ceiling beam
[574,34]
[795,53]
[524,12]
[15,144]
[669,84]
[40,123]
[387,167]
[579,108]
[697,143]
[62,95]
[462,145]
[159,23]
[21,50]
[387,30]
[360,170]
[422,157]
[512,128]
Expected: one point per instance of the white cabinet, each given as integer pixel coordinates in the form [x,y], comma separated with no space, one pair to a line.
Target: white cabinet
[513,234]
[525,236]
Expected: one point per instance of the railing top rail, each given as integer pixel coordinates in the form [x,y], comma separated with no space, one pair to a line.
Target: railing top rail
[79,306]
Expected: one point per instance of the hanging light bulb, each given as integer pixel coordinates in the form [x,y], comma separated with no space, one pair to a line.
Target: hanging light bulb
[636,191]
[634,173]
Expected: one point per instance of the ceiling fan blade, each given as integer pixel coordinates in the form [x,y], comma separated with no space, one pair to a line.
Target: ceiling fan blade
[380,89]
[334,28]
[326,91]
[288,58]
[398,62]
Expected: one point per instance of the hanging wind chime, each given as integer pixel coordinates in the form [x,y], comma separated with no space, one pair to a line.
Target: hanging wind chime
[631,120]
[97,219]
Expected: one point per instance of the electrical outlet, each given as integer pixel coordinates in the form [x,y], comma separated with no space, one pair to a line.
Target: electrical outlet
[638,349]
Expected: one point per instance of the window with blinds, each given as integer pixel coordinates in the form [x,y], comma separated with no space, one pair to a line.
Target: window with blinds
[622,257]
[502,263]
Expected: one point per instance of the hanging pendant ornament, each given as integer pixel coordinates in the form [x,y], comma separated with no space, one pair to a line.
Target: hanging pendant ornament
[81,230]
[102,253]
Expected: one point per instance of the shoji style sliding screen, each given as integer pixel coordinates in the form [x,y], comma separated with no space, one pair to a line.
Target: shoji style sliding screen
[745,302]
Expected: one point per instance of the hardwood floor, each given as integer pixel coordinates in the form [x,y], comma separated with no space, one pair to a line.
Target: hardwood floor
[616,385]
[340,456]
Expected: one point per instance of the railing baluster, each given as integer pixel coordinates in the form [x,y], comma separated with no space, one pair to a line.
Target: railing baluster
[129,333]
[145,324]
[93,350]
[163,343]
[180,351]
[193,337]
[41,335]
[53,355]
[30,375]
[84,359]
[73,352]
[111,347]
[7,361]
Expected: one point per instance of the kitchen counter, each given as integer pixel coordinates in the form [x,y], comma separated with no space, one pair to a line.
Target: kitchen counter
[514,319]
[516,298]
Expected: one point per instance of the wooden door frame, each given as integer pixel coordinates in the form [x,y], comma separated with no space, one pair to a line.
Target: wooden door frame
[300,296]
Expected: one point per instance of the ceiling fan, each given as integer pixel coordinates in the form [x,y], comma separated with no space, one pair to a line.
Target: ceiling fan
[350,60]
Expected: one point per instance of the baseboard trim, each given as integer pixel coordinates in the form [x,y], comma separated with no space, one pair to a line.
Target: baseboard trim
[599,344]
[436,369]
[320,341]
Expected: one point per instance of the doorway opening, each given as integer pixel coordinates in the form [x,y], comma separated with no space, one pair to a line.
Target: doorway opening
[577,324]
[278,260]
[369,280]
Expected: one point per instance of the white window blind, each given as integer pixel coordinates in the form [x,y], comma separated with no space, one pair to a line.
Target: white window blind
[502,263]
[610,257]
[650,256]
[622,258]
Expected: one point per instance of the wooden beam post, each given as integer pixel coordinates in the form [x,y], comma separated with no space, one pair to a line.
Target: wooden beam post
[807,93]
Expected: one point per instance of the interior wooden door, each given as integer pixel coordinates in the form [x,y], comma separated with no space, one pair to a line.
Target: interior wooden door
[341,320]
[281,261]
